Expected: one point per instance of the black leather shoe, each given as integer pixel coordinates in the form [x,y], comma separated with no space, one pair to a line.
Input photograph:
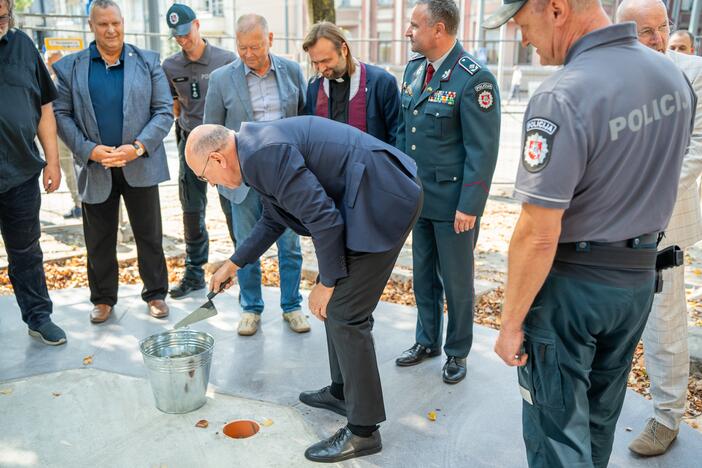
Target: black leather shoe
[184,288]
[415,355]
[344,445]
[324,399]
[454,370]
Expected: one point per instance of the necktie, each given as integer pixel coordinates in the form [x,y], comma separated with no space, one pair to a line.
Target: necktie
[430,73]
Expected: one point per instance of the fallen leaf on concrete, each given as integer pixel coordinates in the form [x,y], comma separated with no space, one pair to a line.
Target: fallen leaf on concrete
[203,423]
[87,360]
[5,391]
[56,394]
[431,415]
[266,422]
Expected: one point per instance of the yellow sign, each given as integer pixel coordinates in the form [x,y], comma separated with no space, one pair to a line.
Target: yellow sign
[68,44]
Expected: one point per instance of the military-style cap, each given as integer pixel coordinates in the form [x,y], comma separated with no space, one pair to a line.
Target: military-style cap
[180,19]
[503,14]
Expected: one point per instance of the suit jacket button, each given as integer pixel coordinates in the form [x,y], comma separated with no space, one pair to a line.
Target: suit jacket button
[414,129]
[455,178]
[414,147]
[415,112]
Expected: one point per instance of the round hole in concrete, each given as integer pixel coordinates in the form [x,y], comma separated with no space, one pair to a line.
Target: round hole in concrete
[241,429]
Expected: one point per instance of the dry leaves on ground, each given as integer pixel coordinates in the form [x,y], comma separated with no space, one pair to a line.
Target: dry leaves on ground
[87,360]
[266,422]
[203,423]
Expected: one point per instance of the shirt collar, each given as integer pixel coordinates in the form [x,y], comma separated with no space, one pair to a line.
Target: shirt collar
[8,35]
[440,61]
[95,55]
[623,32]
[247,70]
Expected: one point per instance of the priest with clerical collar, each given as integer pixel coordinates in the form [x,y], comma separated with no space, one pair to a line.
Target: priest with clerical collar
[348,90]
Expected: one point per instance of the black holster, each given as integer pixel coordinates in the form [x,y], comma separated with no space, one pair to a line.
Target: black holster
[670,257]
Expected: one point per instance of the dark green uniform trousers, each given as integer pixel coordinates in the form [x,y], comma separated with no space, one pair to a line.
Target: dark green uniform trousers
[442,263]
[580,335]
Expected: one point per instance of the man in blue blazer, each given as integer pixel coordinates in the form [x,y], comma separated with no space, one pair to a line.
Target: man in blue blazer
[113,111]
[347,90]
[357,198]
[259,86]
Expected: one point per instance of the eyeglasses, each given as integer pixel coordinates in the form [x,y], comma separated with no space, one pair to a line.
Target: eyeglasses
[202,177]
[4,19]
[650,32]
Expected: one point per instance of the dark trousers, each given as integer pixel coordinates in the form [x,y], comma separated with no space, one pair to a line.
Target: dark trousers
[349,324]
[580,335]
[19,224]
[442,264]
[193,201]
[100,224]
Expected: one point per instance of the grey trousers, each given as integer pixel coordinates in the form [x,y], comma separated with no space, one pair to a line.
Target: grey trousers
[665,349]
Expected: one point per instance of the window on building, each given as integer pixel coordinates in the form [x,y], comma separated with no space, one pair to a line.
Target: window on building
[216,7]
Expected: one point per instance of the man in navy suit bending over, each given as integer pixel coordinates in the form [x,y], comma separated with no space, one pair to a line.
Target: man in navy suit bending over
[358,198]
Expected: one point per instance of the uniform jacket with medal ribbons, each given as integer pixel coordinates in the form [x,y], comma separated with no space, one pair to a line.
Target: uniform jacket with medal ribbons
[452,130]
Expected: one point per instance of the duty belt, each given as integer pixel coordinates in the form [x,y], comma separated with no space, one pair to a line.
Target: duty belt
[637,253]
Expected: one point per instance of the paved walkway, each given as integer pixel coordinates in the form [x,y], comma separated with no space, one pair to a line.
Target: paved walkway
[102,419]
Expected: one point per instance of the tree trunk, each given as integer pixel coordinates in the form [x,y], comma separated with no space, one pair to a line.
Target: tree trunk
[321,10]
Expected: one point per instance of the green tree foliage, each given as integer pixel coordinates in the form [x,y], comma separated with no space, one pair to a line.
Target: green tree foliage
[21,5]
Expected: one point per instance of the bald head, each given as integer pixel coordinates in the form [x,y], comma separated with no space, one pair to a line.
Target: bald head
[211,154]
[651,18]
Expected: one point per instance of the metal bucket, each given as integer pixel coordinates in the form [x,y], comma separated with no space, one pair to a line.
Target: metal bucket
[178,364]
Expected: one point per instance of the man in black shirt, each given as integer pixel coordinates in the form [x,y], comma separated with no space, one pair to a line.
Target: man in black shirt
[26,92]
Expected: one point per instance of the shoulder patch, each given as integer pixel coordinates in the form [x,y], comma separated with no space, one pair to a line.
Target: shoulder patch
[416,56]
[485,96]
[538,143]
[469,65]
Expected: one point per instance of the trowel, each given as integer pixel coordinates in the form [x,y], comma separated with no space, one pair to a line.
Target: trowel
[205,311]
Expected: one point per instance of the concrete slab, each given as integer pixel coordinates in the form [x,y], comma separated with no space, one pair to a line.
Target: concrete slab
[478,423]
[87,417]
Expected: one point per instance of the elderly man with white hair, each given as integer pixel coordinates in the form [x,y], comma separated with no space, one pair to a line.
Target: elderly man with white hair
[665,337]
[260,86]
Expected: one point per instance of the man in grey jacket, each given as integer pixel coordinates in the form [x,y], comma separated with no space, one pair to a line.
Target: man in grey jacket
[259,87]
[114,110]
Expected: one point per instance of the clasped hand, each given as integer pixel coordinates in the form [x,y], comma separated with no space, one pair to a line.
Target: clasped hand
[111,156]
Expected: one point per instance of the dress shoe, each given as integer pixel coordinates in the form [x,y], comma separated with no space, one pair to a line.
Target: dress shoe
[324,399]
[415,355]
[158,308]
[185,287]
[454,370]
[654,440]
[297,322]
[248,325]
[100,313]
[344,445]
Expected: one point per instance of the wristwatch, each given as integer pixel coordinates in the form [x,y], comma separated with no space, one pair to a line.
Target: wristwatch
[139,149]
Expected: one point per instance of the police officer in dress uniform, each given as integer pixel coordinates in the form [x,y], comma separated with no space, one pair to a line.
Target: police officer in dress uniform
[188,73]
[598,178]
[450,125]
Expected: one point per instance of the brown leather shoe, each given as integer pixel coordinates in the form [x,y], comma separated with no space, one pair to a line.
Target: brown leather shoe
[100,313]
[158,308]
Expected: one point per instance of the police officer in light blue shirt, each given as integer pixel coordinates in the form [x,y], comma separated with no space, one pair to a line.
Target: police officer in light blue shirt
[450,125]
[603,143]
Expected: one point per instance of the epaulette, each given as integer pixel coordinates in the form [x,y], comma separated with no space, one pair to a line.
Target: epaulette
[416,56]
[469,65]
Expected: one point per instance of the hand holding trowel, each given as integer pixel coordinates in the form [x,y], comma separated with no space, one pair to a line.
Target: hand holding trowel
[206,310]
